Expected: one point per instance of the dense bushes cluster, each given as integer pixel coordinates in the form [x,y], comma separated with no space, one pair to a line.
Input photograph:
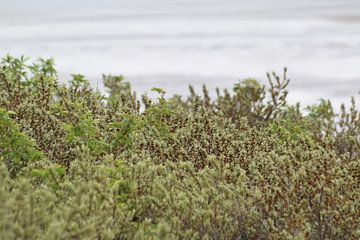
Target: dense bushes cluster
[77,164]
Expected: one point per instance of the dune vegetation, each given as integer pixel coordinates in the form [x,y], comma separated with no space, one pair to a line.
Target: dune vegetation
[76,163]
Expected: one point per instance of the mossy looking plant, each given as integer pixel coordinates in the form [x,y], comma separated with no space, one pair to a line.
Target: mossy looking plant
[16,149]
[244,165]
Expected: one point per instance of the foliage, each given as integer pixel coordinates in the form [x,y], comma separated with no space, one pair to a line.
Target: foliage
[76,164]
[16,148]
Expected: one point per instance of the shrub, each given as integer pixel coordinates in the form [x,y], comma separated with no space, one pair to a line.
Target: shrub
[77,164]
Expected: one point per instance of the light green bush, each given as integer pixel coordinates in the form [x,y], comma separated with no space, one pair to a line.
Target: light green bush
[77,164]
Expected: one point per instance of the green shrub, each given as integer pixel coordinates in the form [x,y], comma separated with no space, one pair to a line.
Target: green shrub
[16,148]
[77,164]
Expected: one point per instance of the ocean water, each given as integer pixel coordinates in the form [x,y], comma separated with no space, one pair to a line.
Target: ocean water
[172,44]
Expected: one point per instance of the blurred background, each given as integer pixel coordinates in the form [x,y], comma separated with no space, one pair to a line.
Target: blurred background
[174,43]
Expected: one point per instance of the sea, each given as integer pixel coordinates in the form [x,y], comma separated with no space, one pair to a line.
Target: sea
[176,43]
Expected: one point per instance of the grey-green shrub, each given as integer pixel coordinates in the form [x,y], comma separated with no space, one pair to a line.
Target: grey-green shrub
[77,164]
